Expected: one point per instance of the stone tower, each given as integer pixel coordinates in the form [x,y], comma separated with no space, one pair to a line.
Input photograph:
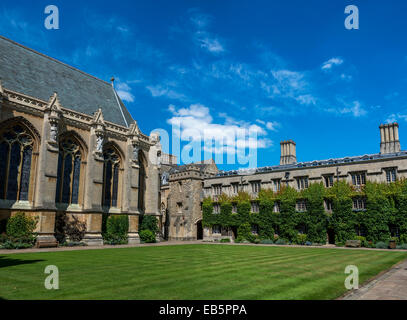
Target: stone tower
[185,199]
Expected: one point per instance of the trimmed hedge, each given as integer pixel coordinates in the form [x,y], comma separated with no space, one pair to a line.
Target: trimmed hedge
[386,205]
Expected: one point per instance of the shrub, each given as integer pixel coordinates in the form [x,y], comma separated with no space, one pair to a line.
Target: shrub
[403,238]
[381,245]
[363,241]
[301,238]
[116,229]
[74,228]
[280,241]
[256,240]
[308,243]
[147,236]
[266,241]
[3,238]
[402,246]
[149,223]
[224,240]
[20,229]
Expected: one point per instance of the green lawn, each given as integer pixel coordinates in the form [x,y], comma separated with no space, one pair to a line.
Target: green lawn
[190,272]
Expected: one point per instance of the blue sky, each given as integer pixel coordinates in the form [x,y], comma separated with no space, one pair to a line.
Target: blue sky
[288,68]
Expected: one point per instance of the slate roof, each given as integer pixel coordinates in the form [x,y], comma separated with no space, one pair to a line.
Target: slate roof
[315,163]
[186,167]
[31,73]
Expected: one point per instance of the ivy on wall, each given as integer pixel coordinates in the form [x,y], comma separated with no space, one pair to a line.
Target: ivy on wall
[385,212]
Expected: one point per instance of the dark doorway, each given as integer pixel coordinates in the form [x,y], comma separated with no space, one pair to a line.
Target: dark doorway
[234,230]
[331,236]
[199,230]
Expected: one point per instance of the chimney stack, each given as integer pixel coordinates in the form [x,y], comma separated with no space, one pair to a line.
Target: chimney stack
[288,152]
[389,138]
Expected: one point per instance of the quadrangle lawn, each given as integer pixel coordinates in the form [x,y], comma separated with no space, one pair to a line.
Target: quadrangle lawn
[201,271]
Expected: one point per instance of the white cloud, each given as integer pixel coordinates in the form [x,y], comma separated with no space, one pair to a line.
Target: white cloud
[197,124]
[355,109]
[159,91]
[124,91]
[273,125]
[212,45]
[327,65]
[394,117]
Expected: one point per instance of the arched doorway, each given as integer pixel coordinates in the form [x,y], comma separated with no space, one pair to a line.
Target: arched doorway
[331,236]
[199,230]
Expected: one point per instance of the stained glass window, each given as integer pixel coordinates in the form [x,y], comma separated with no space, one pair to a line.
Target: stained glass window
[69,166]
[142,182]
[15,163]
[110,177]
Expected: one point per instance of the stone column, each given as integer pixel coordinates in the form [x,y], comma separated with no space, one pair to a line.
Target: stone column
[47,170]
[94,182]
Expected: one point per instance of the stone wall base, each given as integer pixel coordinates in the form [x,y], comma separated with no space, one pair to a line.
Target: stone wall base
[93,239]
[181,238]
[134,238]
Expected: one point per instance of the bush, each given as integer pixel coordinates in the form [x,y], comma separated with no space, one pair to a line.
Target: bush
[147,236]
[20,230]
[301,238]
[381,245]
[403,238]
[149,223]
[74,228]
[256,240]
[266,241]
[280,241]
[308,243]
[224,240]
[117,227]
[402,246]
[363,241]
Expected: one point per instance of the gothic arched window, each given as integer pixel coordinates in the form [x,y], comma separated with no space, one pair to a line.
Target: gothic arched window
[142,181]
[16,148]
[69,170]
[111,169]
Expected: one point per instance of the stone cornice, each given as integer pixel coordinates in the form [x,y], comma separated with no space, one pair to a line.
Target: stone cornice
[35,106]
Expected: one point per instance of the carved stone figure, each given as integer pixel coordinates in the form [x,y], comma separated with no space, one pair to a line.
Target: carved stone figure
[53,132]
[99,143]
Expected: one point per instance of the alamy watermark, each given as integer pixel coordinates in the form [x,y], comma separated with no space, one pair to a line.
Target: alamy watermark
[352,281]
[52,281]
[52,20]
[352,20]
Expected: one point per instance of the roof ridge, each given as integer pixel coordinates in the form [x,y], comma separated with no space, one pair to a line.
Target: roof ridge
[119,105]
[53,59]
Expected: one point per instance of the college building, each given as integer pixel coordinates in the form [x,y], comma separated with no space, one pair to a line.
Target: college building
[189,185]
[69,147]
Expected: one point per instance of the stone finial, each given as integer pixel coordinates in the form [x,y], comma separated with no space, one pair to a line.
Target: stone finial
[155,137]
[134,129]
[98,117]
[53,104]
